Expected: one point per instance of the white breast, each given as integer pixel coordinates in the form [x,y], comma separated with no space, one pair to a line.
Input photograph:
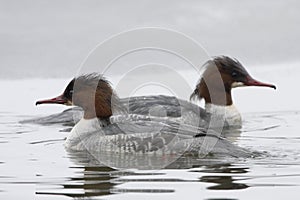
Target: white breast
[229,114]
[89,132]
[80,131]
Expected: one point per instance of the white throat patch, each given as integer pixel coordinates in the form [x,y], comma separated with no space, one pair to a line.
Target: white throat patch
[237,84]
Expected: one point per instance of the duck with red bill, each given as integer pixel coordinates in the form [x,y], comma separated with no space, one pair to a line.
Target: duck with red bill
[221,75]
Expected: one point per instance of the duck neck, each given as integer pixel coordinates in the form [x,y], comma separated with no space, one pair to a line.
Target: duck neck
[216,93]
[229,113]
[100,108]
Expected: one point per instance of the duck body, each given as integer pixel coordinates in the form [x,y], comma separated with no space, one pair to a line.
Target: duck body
[138,134]
[134,133]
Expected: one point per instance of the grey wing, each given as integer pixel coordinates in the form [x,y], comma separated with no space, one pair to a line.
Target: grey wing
[171,106]
[167,106]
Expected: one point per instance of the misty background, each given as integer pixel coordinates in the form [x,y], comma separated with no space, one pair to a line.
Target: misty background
[51,38]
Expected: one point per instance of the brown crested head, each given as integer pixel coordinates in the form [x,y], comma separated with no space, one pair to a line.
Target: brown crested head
[220,75]
[92,92]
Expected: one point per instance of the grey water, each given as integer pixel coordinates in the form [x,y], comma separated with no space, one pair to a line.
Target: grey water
[34,163]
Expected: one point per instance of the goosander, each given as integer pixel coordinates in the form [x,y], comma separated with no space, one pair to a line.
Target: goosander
[107,126]
[220,75]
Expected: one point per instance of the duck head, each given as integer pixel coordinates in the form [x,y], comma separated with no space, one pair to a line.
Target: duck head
[220,76]
[91,92]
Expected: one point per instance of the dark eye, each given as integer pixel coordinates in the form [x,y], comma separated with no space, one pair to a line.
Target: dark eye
[234,74]
[68,94]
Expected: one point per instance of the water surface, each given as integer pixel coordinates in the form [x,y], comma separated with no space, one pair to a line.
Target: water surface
[35,165]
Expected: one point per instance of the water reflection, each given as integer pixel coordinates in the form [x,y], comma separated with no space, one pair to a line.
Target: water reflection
[93,179]
[223,168]
[224,181]
[96,179]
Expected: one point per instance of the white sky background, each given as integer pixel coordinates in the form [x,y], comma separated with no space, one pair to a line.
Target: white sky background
[51,38]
